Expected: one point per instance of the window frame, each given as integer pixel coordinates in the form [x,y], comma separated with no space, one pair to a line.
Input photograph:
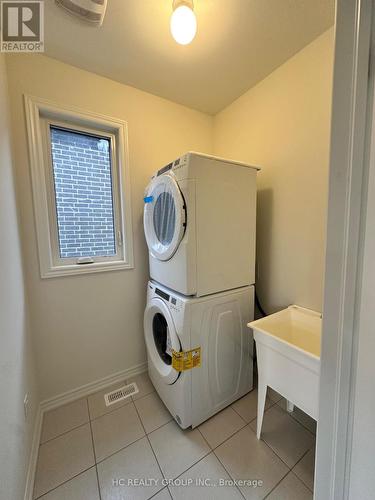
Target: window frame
[40,116]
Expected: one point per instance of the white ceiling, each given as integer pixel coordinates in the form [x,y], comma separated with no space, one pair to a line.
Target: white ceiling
[238,43]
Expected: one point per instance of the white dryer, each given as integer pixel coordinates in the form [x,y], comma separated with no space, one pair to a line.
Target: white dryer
[216,324]
[199,222]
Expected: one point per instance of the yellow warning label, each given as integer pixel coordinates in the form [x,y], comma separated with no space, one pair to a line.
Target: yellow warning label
[186,360]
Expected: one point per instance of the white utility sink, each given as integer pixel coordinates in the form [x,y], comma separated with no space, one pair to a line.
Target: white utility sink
[288,354]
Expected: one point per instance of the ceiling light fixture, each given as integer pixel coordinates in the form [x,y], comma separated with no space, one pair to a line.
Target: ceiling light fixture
[183,21]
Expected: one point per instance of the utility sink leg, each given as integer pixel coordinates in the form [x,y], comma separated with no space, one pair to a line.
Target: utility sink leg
[289,407]
[262,391]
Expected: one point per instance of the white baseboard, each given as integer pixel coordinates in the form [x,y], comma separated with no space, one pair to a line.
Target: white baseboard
[90,388]
[62,399]
[33,458]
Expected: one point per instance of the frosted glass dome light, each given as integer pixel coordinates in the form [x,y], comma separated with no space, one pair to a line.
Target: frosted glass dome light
[183,23]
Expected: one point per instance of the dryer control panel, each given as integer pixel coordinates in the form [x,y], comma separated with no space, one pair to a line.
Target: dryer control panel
[174,165]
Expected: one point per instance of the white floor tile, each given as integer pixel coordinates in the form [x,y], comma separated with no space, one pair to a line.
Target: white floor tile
[290,488]
[273,395]
[284,435]
[247,458]
[152,411]
[162,495]
[305,469]
[97,405]
[65,468]
[300,416]
[116,430]
[64,419]
[144,385]
[63,458]
[203,482]
[177,450]
[135,462]
[221,426]
[82,487]
[246,407]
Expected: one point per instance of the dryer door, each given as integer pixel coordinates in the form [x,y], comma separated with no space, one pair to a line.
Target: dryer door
[161,337]
[164,217]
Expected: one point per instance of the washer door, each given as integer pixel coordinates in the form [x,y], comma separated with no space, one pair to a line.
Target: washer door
[161,338]
[164,217]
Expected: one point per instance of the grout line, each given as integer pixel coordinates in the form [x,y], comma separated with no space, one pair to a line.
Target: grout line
[144,396]
[67,481]
[297,474]
[157,493]
[192,465]
[273,452]
[119,406]
[277,484]
[118,451]
[294,417]
[63,433]
[302,481]
[111,411]
[231,406]
[236,412]
[227,471]
[212,451]
[226,439]
[163,425]
[270,447]
[303,456]
[93,449]
[160,426]
[152,449]
[273,403]
[123,448]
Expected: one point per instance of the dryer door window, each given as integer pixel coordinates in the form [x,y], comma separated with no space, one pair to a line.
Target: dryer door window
[164,217]
[161,338]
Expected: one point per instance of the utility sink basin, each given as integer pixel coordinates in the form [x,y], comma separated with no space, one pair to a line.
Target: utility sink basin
[288,355]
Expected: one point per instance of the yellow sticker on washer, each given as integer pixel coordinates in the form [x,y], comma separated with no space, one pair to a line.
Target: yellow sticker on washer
[186,360]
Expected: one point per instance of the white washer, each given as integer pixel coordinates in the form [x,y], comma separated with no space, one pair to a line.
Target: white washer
[199,222]
[216,324]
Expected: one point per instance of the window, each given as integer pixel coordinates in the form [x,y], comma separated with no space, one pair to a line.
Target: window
[81,190]
[82,177]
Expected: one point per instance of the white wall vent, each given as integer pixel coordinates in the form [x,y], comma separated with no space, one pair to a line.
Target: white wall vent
[120,394]
[92,11]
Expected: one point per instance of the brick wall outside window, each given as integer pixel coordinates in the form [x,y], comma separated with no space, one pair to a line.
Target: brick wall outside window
[83,189]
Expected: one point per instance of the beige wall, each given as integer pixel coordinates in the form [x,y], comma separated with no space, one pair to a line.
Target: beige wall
[88,327]
[283,125]
[16,357]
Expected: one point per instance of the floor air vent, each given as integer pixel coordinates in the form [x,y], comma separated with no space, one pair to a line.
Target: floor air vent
[120,394]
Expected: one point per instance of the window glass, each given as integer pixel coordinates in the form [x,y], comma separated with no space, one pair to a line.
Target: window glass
[82,177]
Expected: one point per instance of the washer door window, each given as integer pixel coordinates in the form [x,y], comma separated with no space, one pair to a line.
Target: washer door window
[164,217]
[161,338]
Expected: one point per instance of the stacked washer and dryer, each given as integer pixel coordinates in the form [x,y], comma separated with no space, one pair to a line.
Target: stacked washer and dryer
[199,222]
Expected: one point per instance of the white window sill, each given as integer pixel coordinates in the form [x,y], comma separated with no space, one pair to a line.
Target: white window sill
[96,267]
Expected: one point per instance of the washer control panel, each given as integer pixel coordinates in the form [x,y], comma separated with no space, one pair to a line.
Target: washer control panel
[175,304]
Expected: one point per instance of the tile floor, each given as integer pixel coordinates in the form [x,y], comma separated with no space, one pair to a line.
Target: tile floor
[91,452]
